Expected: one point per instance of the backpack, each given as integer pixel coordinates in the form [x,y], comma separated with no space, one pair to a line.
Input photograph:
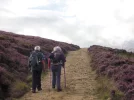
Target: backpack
[33,59]
[57,57]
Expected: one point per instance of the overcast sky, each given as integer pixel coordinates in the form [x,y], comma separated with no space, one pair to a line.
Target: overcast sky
[81,22]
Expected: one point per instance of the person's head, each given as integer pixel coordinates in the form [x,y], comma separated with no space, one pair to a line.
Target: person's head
[57,49]
[37,48]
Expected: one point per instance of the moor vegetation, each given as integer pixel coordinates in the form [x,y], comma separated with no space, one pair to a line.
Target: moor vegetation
[14,52]
[115,71]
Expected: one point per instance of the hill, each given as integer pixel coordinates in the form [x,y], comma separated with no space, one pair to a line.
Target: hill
[14,52]
[80,81]
[99,73]
[117,66]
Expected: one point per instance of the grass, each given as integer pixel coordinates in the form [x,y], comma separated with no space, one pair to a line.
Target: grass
[26,44]
[128,55]
[8,38]
[104,88]
[4,37]
[29,78]
[20,86]
[44,74]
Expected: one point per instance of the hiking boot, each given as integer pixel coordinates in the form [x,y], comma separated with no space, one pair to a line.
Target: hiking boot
[58,90]
[53,87]
[39,89]
[33,91]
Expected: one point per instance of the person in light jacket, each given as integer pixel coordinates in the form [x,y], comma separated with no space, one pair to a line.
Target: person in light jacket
[58,60]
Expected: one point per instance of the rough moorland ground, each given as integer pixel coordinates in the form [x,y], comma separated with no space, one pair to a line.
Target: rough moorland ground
[14,52]
[81,83]
[117,65]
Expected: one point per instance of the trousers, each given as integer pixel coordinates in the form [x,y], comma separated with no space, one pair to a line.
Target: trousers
[56,73]
[36,79]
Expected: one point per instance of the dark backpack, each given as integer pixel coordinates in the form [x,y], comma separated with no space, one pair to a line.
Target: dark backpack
[33,59]
[57,57]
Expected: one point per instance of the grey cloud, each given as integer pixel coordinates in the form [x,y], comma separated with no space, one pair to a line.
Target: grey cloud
[3,3]
[5,10]
[79,33]
[76,32]
[18,22]
[121,19]
[128,45]
[83,39]
[60,6]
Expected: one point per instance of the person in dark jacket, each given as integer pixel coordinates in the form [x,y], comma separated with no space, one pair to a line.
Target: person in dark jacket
[37,69]
[57,61]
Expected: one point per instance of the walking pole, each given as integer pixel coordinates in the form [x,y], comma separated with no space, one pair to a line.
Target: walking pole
[50,79]
[49,72]
[64,77]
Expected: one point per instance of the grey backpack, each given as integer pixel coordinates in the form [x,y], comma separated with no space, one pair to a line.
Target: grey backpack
[57,57]
[33,59]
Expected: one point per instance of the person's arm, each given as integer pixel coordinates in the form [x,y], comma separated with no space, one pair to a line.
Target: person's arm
[49,63]
[43,62]
[63,60]
[29,66]
[51,56]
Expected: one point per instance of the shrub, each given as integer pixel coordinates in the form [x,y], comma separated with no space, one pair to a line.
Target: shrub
[14,52]
[113,64]
[19,88]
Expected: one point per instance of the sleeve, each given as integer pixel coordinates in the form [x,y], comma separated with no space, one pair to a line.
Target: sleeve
[49,63]
[43,58]
[51,56]
[63,59]
[29,60]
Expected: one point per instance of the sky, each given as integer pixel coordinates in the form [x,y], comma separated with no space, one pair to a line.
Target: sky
[82,22]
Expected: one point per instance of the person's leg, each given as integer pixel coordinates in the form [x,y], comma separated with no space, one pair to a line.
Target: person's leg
[34,80]
[58,78]
[53,78]
[39,80]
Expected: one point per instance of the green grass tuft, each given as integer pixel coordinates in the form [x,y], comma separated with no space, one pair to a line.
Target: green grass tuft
[4,37]
[19,85]
[104,88]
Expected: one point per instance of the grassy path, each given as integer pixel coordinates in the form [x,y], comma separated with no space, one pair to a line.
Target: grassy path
[80,81]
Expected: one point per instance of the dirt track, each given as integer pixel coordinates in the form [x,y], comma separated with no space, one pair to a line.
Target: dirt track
[79,78]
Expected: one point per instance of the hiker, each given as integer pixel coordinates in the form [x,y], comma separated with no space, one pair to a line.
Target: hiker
[57,59]
[36,65]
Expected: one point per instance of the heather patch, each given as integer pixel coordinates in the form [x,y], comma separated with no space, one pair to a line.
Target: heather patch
[117,65]
[14,52]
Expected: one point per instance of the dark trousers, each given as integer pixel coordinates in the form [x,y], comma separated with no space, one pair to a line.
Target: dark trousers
[36,79]
[56,72]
